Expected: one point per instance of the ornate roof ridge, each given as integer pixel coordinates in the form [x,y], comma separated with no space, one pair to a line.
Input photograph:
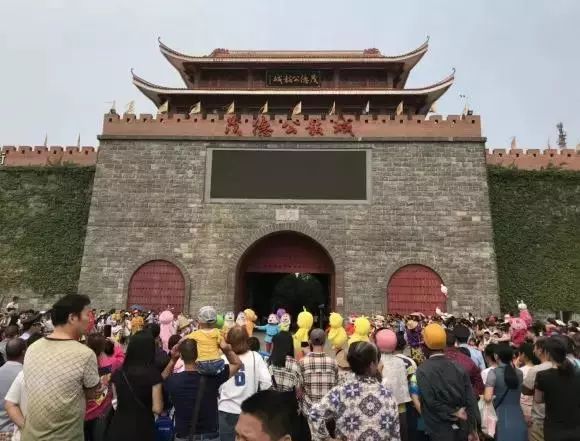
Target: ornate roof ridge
[371,54]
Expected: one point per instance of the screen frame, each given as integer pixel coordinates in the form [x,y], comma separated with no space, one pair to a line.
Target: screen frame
[208,176]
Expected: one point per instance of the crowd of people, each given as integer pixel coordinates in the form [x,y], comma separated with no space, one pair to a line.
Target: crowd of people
[74,373]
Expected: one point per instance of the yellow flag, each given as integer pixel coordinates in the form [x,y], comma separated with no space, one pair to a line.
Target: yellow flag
[399,110]
[130,107]
[367,108]
[264,108]
[231,108]
[163,108]
[297,108]
[433,108]
[195,109]
[332,109]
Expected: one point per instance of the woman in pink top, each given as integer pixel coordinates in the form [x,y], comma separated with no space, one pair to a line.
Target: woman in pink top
[110,357]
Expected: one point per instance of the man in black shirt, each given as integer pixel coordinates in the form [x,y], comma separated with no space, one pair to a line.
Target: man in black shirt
[183,389]
[448,405]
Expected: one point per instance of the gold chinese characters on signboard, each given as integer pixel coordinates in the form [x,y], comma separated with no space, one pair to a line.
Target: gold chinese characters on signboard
[303,78]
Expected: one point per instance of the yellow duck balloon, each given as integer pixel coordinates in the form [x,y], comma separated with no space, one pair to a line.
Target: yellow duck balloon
[362,329]
[305,320]
[337,335]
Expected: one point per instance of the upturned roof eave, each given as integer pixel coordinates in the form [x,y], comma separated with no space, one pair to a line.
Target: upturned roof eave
[440,86]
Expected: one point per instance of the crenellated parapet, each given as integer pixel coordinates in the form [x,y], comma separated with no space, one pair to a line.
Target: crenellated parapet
[535,159]
[361,127]
[17,156]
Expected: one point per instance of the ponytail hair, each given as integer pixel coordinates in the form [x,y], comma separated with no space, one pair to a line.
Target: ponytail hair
[506,355]
[557,350]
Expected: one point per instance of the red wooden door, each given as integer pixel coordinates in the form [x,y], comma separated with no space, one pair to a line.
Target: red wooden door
[287,253]
[156,285]
[415,288]
[284,252]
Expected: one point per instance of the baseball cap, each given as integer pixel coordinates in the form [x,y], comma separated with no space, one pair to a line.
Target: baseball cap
[317,337]
[207,314]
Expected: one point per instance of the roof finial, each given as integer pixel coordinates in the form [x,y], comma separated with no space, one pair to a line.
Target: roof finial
[466,109]
[112,109]
[514,143]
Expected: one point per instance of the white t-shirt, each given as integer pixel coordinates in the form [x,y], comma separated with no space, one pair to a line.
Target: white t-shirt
[485,372]
[253,375]
[395,377]
[16,394]
[12,305]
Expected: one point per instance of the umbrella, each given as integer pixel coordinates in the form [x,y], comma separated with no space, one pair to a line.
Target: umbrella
[138,307]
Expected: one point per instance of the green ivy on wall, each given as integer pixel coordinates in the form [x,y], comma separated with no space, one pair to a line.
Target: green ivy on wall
[43,218]
[536,223]
[535,214]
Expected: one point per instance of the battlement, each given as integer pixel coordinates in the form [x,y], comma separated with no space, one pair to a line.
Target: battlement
[17,156]
[534,159]
[435,127]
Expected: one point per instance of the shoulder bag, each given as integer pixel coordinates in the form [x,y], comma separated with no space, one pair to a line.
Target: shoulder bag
[141,404]
[197,406]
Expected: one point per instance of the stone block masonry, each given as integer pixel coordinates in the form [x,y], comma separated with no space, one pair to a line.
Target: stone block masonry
[429,205]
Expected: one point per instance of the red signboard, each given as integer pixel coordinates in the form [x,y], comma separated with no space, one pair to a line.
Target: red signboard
[415,288]
[157,285]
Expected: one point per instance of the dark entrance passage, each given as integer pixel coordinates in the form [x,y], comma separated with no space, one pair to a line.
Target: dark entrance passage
[266,292]
[285,270]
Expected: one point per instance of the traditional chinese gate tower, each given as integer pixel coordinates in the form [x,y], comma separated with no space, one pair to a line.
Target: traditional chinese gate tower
[292,162]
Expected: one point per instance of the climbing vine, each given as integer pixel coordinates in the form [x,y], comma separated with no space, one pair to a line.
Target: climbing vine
[43,218]
[535,215]
[536,223]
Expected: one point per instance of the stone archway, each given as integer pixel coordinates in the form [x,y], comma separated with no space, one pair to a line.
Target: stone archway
[157,285]
[415,288]
[275,256]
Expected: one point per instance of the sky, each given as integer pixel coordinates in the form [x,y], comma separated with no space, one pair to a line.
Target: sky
[61,61]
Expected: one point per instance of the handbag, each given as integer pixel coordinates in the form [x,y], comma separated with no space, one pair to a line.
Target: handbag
[164,428]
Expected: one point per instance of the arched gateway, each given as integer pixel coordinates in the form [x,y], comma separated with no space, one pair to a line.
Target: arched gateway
[415,288]
[285,270]
[157,285]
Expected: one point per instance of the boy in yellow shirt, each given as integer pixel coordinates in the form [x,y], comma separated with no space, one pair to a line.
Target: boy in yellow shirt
[208,339]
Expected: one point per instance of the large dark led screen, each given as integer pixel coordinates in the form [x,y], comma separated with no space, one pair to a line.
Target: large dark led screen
[288,174]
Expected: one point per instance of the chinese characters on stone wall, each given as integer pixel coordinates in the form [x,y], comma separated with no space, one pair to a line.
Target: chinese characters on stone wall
[310,78]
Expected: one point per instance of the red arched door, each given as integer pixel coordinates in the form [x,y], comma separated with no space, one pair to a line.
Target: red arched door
[157,285]
[284,252]
[415,288]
